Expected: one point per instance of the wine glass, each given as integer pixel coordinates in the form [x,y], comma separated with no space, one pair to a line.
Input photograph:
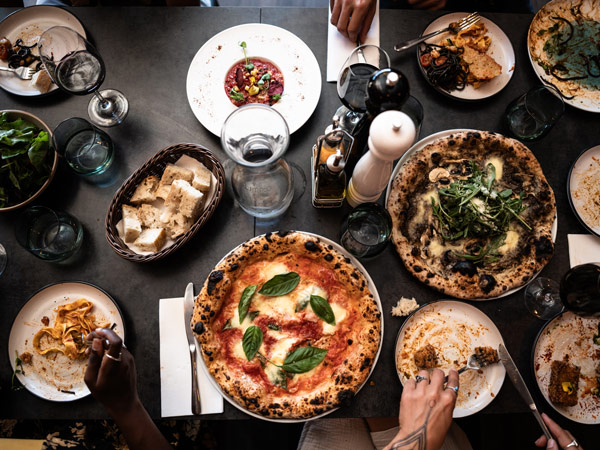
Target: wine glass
[76,67]
[578,291]
[354,76]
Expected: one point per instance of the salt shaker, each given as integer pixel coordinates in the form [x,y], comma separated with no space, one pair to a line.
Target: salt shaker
[390,135]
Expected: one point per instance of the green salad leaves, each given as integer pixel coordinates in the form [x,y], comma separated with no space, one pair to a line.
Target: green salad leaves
[25,160]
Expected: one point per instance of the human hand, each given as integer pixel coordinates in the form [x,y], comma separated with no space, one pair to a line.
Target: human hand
[427,4]
[353,18]
[564,437]
[111,382]
[426,411]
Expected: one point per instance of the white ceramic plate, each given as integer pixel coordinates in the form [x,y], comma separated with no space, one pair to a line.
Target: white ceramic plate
[422,144]
[28,24]
[372,288]
[570,335]
[454,329]
[584,94]
[500,49]
[206,75]
[583,188]
[28,323]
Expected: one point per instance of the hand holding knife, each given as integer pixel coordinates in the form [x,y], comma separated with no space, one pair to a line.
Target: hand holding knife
[517,380]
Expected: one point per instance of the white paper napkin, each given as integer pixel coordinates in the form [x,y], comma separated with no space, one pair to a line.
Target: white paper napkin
[176,368]
[583,249]
[339,46]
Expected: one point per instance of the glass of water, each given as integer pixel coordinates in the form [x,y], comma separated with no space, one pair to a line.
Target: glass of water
[531,116]
[256,137]
[366,230]
[50,235]
[86,149]
[77,68]
[542,298]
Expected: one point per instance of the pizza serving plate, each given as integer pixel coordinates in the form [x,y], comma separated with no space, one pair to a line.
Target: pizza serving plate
[422,144]
[206,75]
[28,24]
[570,335]
[45,377]
[574,55]
[500,49]
[454,329]
[583,187]
[372,288]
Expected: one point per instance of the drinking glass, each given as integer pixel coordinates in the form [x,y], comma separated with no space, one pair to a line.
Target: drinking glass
[354,76]
[542,298]
[256,137]
[3,258]
[366,230]
[50,235]
[531,116]
[413,109]
[86,149]
[76,67]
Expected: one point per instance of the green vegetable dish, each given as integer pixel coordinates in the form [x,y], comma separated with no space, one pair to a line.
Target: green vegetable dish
[26,160]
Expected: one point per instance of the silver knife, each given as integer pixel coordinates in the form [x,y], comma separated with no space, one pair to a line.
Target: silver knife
[517,380]
[188,308]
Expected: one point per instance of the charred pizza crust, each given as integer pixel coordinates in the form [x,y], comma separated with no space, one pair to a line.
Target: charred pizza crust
[335,381]
[416,233]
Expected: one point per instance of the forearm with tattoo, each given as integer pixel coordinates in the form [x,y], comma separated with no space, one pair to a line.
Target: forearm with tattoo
[417,440]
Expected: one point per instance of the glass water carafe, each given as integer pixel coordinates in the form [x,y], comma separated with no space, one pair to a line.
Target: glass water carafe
[256,137]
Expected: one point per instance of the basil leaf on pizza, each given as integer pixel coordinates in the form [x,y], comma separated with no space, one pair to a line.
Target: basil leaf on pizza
[245,301]
[322,308]
[304,359]
[253,338]
[472,214]
[280,284]
[273,364]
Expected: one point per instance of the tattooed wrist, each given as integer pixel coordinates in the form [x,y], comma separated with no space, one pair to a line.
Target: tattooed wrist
[417,440]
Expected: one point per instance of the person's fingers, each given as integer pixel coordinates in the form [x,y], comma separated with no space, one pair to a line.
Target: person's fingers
[342,24]
[440,5]
[410,385]
[425,4]
[114,341]
[437,380]
[336,9]
[541,441]
[94,363]
[450,393]
[563,437]
[551,445]
[367,23]
[354,25]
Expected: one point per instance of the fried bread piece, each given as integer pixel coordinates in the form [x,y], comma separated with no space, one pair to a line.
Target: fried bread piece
[564,382]
[486,355]
[426,357]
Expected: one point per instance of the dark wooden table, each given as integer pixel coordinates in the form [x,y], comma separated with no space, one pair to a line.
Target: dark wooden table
[147,52]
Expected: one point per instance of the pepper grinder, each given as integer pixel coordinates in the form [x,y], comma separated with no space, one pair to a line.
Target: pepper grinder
[390,135]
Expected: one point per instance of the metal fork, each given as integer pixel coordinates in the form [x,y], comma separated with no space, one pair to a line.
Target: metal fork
[24,73]
[454,27]
[473,363]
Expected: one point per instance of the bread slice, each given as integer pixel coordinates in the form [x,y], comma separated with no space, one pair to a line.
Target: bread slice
[177,224]
[202,178]
[41,81]
[163,191]
[185,199]
[481,66]
[564,383]
[173,172]
[132,227]
[151,239]
[149,216]
[145,192]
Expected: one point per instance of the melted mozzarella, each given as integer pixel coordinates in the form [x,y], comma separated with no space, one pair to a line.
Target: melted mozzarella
[235,321]
[340,314]
[498,165]
[511,241]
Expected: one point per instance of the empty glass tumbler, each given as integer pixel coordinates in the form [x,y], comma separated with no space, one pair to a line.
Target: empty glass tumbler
[256,137]
[366,230]
[531,116]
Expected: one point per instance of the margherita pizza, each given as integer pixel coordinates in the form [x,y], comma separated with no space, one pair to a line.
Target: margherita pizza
[288,326]
[472,215]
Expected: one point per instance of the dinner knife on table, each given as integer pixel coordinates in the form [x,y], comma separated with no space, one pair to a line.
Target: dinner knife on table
[188,308]
[517,381]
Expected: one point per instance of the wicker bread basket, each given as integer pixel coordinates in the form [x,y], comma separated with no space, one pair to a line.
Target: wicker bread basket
[155,166]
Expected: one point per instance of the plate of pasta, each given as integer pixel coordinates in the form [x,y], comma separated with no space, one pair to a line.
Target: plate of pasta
[47,339]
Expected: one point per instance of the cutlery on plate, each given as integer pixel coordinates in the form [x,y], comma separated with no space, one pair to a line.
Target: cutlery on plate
[473,363]
[517,380]
[24,73]
[188,308]
[454,27]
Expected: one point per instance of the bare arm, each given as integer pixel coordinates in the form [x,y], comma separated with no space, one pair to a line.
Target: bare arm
[113,384]
[425,412]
